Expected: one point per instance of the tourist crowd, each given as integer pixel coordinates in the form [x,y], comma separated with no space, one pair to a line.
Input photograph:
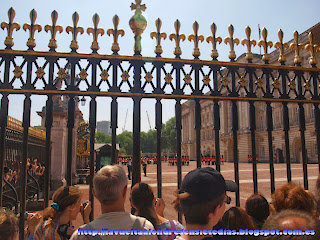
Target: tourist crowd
[202,200]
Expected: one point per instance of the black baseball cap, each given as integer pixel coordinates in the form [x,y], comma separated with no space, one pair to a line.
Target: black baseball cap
[206,184]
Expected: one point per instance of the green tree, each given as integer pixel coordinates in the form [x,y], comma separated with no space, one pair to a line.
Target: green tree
[149,141]
[169,135]
[102,138]
[125,141]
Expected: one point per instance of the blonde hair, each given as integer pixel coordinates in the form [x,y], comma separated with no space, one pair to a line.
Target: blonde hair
[109,183]
[8,224]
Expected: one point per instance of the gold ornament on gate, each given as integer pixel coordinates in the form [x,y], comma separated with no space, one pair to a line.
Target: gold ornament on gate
[296,46]
[313,48]
[206,80]
[242,81]
[32,28]
[116,33]
[177,37]
[187,79]
[40,72]
[292,84]
[10,26]
[168,78]
[282,46]
[196,39]
[104,75]
[158,35]
[276,83]
[214,40]
[125,76]
[265,44]
[232,41]
[138,24]
[95,32]
[74,30]
[17,72]
[53,29]
[249,43]
[148,77]
[62,73]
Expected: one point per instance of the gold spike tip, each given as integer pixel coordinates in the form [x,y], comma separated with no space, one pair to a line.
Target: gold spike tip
[231,30]
[75,18]
[213,28]
[264,34]
[296,37]
[11,14]
[115,21]
[248,32]
[280,35]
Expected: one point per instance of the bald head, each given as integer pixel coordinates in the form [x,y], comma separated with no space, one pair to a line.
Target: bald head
[293,223]
[292,220]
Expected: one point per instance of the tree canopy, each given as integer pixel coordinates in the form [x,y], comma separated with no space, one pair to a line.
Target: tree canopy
[148,139]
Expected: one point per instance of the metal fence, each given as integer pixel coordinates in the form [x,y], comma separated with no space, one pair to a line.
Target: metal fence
[169,78]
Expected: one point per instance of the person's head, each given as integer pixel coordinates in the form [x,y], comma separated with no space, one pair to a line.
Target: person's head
[293,196]
[143,200]
[110,184]
[66,200]
[202,196]
[236,218]
[9,229]
[292,220]
[258,208]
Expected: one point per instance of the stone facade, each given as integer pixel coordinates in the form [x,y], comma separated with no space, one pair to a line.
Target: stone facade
[244,136]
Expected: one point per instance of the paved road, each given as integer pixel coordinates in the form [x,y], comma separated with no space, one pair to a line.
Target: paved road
[169,182]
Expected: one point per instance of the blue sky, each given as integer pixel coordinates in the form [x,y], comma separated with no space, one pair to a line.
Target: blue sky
[287,15]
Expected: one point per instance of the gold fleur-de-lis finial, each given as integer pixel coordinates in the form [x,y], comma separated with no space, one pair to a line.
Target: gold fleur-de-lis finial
[158,35]
[75,30]
[53,29]
[297,47]
[138,24]
[32,28]
[177,37]
[282,46]
[214,40]
[232,41]
[195,38]
[10,26]
[115,32]
[313,48]
[249,43]
[265,44]
[95,32]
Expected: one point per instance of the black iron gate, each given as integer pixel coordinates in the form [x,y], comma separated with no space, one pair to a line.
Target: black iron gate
[169,79]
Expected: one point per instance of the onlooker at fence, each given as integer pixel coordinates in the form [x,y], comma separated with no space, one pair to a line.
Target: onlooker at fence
[288,220]
[144,165]
[293,196]
[143,200]
[9,229]
[110,188]
[202,199]
[129,168]
[235,219]
[65,208]
[258,208]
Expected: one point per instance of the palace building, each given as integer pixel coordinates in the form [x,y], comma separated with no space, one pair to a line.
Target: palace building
[244,134]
